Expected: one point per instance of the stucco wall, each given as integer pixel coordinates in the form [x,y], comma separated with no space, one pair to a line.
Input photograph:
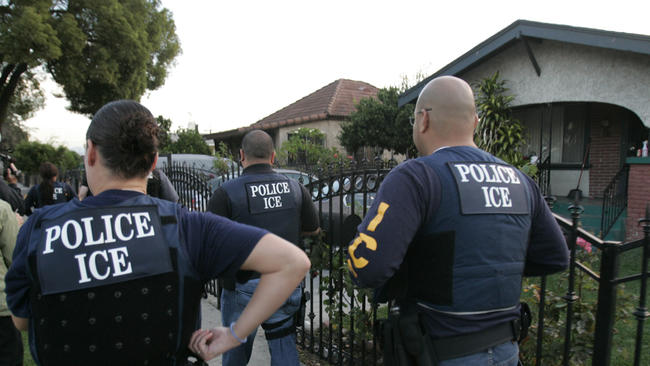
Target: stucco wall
[572,73]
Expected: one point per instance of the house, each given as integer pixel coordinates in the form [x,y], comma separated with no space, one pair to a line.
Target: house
[580,94]
[323,109]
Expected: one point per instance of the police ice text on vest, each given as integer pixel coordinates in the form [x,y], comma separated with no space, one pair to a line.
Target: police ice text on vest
[270,192]
[494,195]
[73,234]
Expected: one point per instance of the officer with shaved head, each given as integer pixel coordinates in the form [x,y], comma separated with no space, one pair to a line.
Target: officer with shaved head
[263,198]
[448,239]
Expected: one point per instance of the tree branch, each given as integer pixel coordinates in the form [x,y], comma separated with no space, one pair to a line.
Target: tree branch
[8,91]
[5,74]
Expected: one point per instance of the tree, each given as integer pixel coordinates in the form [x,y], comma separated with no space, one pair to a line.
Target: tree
[379,122]
[97,51]
[30,155]
[305,146]
[188,141]
[497,132]
[164,138]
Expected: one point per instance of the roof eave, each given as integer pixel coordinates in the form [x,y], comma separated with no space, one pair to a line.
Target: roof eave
[523,28]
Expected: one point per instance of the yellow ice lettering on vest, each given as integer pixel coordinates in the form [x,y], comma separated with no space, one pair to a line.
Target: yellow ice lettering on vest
[351,268]
[371,244]
[380,216]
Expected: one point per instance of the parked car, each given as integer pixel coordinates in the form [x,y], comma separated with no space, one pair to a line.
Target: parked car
[204,165]
[342,205]
[302,177]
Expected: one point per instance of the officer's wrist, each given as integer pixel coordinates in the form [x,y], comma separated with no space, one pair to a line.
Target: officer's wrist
[232,332]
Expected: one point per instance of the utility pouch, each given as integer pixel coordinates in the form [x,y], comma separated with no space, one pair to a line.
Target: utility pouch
[525,319]
[302,310]
[227,283]
[404,341]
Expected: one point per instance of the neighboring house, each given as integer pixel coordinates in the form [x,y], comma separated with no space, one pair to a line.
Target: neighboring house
[323,109]
[577,91]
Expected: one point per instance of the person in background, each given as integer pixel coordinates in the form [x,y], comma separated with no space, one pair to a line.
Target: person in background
[9,194]
[158,185]
[265,199]
[12,180]
[448,239]
[49,191]
[84,191]
[11,342]
[116,279]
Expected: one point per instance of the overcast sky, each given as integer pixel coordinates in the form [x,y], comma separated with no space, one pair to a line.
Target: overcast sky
[243,60]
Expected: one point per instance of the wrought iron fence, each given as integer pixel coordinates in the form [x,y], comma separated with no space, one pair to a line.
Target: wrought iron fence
[193,185]
[614,200]
[341,319]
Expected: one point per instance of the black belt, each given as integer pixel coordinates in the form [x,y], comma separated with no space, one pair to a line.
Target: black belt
[467,344]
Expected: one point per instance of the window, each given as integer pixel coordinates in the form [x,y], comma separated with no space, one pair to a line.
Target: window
[561,126]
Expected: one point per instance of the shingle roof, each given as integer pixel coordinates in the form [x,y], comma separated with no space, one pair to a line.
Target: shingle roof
[333,101]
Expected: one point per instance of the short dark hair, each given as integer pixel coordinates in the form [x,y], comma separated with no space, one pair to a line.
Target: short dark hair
[257,144]
[126,134]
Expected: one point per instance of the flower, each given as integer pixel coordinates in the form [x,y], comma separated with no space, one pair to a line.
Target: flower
[584,244]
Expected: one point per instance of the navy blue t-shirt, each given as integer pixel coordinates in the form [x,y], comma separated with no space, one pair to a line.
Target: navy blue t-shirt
[408,198]
[215,246]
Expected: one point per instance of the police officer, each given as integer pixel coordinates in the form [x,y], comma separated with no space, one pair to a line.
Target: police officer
[449,237]
[266,199]
[49,191]
[116,279]
[8,193]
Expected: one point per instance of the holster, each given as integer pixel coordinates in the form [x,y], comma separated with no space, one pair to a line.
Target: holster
[525,319]
[405,342]
[227,283]
[300,314]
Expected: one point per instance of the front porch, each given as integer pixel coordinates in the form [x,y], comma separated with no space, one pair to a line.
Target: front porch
[591,218]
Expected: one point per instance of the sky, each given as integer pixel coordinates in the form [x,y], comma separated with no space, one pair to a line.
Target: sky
[243,60]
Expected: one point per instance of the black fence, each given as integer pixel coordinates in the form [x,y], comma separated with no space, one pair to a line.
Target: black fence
[583,316]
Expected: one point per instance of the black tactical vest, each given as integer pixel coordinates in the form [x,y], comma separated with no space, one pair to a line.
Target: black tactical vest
[112,285]
[469,257]
[269,201]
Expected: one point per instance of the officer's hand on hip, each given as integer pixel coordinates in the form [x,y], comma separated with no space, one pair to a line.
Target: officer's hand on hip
[210,343]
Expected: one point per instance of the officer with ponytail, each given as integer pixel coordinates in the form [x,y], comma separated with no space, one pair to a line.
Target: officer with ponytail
[448,239]
[116,279]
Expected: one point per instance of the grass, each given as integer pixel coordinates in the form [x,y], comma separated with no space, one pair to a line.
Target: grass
[27,361]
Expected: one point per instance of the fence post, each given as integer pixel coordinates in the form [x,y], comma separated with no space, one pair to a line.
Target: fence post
[641,312]
[606,305]
[571,296]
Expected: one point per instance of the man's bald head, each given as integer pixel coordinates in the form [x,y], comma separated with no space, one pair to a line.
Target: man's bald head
[257,145]
[451,101]
[452,118]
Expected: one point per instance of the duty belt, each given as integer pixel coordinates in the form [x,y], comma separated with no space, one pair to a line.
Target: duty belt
[467,344]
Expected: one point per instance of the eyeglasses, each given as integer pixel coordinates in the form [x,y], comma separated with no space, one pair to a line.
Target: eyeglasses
[412,118]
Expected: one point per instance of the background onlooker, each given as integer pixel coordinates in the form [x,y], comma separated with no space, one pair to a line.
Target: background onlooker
[11,343]
[49,191]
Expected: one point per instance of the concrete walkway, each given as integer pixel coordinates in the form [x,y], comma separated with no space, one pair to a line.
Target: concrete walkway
[211,317]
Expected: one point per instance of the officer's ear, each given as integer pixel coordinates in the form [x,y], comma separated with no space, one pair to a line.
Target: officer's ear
[272,157]
[91,152]
[424,122]
[241,155]
[155,162]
